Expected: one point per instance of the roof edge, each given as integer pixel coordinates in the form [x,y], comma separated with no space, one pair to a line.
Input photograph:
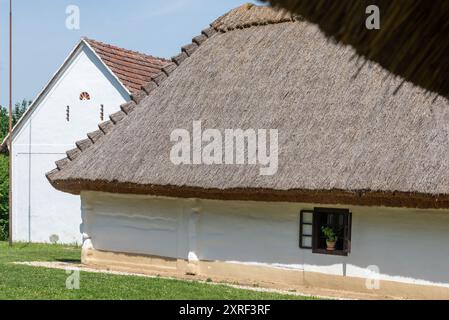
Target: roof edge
[124,49]
[325,197]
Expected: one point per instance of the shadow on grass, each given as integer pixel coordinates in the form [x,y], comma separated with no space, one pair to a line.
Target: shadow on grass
[73,261]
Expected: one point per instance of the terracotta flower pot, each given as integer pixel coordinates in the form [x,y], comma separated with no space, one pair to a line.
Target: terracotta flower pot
[331,245]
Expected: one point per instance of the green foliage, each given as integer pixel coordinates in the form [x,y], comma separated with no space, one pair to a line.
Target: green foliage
[3,123]
[330,234]
[4,191]
[18,110]
[17,113]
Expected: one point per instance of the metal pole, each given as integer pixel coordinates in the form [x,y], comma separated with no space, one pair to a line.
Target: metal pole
[10,123]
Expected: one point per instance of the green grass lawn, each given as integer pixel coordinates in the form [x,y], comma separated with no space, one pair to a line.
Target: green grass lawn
[25,282]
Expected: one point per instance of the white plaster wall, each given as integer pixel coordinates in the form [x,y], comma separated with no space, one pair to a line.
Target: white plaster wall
[406,245]
[40,211]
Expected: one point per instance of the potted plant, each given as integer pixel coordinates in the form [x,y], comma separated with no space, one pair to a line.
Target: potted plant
[331,238]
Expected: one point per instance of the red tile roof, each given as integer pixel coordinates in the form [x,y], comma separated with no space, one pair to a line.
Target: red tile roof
[134,69]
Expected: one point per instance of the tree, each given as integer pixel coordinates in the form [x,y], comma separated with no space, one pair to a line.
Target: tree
[4,195]
[18,111]
[4,124]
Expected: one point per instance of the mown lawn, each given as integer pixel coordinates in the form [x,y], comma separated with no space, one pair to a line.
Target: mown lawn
[25,282]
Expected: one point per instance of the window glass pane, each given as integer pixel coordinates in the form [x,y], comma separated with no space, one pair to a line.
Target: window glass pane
[307,217]
[307,229]
[337,222]
[306,241]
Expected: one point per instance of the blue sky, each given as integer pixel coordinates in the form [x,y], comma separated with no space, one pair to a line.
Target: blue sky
[42,41]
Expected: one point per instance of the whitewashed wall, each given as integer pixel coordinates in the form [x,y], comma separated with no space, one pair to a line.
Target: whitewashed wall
[40,211]
[406,245]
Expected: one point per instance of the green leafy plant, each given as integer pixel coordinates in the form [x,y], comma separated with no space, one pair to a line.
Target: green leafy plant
[331,235]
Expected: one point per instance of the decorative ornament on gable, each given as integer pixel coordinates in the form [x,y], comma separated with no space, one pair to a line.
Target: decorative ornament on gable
[84,96]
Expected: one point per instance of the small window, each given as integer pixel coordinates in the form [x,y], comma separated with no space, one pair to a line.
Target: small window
[84,96]
[326,231]
[67,114]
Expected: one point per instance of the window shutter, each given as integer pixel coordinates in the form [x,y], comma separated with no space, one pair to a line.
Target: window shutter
[347,232]
[305,229]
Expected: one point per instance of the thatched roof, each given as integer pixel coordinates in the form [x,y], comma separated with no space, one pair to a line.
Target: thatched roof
[413,40]
[345,134]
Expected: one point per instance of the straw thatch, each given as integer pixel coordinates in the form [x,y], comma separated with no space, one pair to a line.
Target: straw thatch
[413,40]
[345,135]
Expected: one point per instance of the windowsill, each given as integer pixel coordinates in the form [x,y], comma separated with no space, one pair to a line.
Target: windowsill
[332,253]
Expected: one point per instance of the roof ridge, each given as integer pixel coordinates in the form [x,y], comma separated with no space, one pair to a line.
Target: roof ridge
[250,15]
[128,107]
[130,62]
[123,49]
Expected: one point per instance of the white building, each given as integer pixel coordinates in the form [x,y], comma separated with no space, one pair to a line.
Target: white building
[92,83]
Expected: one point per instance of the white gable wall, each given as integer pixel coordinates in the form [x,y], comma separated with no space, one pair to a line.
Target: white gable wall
[44,135]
